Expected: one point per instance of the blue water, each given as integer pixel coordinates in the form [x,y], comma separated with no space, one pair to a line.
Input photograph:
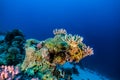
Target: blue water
[98,21]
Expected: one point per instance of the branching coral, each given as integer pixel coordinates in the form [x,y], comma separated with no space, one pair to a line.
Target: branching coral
[59,31]
[87,50]
[70,46]
[8,72]
[73,40]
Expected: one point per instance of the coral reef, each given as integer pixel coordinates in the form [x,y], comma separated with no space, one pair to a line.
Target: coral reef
[43,60]
[12,48]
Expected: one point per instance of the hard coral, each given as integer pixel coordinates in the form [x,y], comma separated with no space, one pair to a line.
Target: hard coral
[72,40]
[31,42]
[59,31]
[11,48]
[87,50]
[42,58]
[72,52]
[11,35]
[8,72]
[35,62]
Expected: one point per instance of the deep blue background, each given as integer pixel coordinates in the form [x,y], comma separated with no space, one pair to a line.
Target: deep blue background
[98,21]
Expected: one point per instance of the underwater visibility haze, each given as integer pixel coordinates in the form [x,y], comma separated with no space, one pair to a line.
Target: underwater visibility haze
[59,39]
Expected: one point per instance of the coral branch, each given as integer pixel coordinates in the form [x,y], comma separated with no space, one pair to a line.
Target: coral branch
[59,31]
[8,72]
